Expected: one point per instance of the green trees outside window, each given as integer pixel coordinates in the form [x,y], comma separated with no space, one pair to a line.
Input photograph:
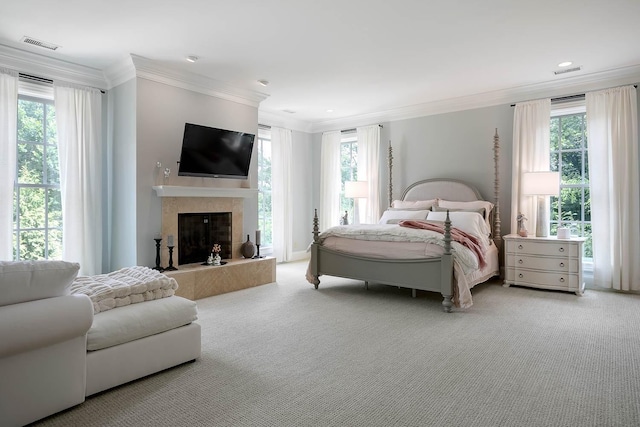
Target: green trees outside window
[569,156]
[265,216]
[37,219]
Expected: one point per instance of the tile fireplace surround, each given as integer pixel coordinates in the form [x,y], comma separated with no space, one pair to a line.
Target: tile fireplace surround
[197,281]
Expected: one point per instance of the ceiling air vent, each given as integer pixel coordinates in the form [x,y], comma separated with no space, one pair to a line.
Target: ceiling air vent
[289,111]
[567,70]
[39,43]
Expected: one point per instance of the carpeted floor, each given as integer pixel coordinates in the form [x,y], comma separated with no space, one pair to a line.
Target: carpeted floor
[285,354]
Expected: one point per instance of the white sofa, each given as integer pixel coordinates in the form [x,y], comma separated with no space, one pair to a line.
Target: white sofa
[54,351]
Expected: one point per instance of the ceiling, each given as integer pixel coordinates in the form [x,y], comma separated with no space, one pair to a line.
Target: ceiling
[335,60]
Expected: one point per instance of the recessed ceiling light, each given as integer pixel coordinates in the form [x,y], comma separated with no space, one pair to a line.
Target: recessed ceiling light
[329,111]
[192,58]
[263,82]
[565,64]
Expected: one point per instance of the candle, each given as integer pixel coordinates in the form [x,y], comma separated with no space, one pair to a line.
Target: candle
[170,240]
[158,236]
[257,237]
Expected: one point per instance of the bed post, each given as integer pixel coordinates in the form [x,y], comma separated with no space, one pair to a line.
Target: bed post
[390,160]
[497,237]
[447,268]
[313,265]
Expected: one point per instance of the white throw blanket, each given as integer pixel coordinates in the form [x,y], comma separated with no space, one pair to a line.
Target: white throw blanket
[123,287]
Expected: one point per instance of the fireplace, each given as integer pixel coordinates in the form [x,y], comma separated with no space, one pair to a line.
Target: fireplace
[173,207]
[197,233]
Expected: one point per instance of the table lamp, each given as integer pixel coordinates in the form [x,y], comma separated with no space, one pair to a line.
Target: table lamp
[356,190]
[541,184]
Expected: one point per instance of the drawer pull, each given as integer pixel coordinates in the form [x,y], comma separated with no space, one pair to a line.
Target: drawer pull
[561,249]
[562,264]
[520,261]
[520,275]
[519,246]
[562,280]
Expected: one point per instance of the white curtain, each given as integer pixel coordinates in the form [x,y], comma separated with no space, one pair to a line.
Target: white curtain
[531,122]
[79,121]
[369,170]
[612,126]
[329,212]
[8,127]
[281,146]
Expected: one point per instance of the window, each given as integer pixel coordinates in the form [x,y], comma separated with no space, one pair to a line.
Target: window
[37,220]
[348,170]
[265,213]
[569,156]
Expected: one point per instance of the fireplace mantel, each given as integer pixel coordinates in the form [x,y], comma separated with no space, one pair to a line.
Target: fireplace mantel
[181,191]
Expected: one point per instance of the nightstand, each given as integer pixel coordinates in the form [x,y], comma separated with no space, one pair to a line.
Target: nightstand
[544,262]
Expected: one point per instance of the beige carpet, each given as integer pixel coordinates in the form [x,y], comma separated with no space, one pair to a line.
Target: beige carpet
[285,354]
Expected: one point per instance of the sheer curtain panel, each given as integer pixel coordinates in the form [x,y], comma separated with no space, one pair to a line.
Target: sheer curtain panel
[369,171]
[329,210]
[79,121]
[531,123]
[8,143]
[612,126]
[281,146]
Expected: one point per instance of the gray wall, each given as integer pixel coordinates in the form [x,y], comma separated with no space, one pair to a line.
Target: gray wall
[301,185]
[161,112]
[123,175]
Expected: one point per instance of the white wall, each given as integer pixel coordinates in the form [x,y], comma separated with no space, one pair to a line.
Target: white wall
[161,112]
[301,185]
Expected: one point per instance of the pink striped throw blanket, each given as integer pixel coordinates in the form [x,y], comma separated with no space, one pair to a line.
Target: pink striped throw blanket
[467,240]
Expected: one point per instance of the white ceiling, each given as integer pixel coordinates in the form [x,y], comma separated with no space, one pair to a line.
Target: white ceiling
[355,57]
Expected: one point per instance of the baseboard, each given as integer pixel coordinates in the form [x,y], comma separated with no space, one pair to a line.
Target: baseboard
[300,255]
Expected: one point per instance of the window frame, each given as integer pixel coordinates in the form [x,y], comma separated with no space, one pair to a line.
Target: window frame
[349,139]
[266,238]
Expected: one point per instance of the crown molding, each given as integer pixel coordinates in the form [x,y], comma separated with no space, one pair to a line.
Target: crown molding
[272,119]
[558,87]
[120,72]
[151,70]
[55,69]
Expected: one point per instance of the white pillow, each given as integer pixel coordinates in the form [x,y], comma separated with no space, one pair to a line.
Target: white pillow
[22,281]
[474,205]
[469,222]
[414,204]
[393,216]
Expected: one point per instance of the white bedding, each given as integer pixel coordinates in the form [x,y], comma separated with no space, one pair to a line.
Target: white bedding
[126,286]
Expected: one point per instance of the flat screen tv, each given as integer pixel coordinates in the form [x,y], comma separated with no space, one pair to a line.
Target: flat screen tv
[215,153]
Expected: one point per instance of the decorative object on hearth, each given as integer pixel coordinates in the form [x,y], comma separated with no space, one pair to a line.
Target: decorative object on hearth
[522,230]
[215,252]
[258,244]
[248,248]
[170,267]
[158,267]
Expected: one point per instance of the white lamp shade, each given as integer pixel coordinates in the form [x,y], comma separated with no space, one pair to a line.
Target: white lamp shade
[356,189]
[541,183]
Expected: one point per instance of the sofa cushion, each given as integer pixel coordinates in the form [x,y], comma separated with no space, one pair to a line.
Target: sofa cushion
[22,281]
[132,322]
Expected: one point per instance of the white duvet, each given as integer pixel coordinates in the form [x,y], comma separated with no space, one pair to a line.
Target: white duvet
[126,286]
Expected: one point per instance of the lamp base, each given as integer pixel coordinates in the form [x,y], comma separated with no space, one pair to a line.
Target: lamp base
[542,220]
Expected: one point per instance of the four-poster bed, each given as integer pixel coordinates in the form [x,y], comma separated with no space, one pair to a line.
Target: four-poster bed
[431,265]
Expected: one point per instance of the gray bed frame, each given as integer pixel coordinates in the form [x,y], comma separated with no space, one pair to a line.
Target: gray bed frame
[433,274]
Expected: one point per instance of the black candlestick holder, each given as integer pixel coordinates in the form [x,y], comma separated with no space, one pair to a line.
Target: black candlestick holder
[258,252]
[158,267]
[171,267]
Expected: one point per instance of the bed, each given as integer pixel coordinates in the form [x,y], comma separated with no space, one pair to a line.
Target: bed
[423,266]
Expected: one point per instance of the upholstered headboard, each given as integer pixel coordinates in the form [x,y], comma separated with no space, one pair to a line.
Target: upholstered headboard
[438,188]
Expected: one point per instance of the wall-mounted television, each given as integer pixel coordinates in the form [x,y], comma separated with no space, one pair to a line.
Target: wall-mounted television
[215,153]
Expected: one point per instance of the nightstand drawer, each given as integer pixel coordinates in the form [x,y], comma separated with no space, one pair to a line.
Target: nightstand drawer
[539,278]
[546,264]
[550,248]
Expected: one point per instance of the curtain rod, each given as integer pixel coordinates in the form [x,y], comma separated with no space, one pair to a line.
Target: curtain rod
[42,79]
[569,97]
[354,129]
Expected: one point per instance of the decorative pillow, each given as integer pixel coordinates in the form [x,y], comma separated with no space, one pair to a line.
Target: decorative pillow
[393,216]
[469,222]
[22,281]
[414,204]
[480,211]
[468,206]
